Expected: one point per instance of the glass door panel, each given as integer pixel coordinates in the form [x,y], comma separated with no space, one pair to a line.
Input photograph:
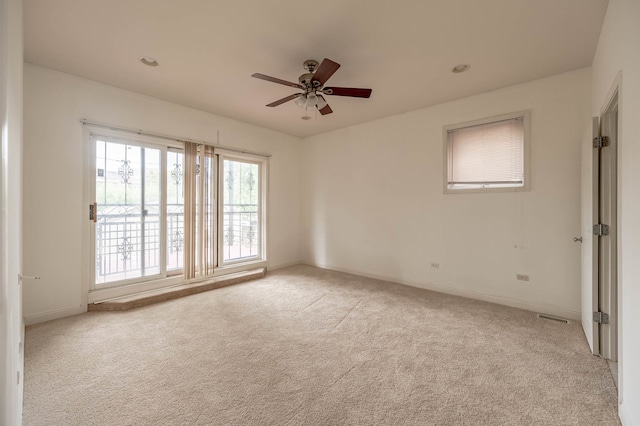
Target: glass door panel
[175,210]
[241,213]
[151,212]
[128,185]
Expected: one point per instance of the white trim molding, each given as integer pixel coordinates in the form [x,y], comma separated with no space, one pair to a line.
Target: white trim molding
[54,314]
[542,308]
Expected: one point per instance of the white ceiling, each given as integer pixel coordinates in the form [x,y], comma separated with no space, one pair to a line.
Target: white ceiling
[404,50]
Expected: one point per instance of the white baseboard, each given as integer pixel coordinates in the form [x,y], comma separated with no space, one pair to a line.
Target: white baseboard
[624,417]
[54,314]
[284,265]
[535,307]
[548,309]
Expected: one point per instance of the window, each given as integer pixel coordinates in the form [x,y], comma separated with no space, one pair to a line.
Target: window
[172,209]
[487,155]
[241,208]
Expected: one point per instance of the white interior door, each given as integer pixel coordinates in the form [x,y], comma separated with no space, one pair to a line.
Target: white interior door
[588,261]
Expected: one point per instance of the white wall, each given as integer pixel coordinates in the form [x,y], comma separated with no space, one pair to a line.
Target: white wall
[374,202]
[11,324]
[53,176]
[618,52]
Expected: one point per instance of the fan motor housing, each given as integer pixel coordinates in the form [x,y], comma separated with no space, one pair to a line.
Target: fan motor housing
[305,79]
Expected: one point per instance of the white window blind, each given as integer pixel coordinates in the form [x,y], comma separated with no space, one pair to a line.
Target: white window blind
[489,155]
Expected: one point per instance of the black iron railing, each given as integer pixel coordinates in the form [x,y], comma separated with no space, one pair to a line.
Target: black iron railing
[124,251]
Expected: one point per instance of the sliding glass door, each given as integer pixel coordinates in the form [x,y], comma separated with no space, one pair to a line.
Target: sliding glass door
[180,210]
[128,188]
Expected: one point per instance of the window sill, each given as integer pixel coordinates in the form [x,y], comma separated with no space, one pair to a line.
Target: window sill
[488,189]
[238,267]
[140,287]
[174,292]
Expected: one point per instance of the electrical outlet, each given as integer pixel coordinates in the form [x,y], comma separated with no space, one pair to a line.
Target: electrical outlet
[522,277]
[435,265]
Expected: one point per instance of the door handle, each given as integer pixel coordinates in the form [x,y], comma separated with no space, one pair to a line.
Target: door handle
[576,239]
[93,212]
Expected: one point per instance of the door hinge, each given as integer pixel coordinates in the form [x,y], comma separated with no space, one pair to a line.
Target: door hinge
[600,229]
[600,141]
[601,318]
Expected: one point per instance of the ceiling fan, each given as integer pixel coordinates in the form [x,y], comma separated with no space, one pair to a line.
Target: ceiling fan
[313,89]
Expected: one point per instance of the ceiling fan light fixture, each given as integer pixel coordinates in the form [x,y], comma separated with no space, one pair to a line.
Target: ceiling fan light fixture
[312,100]
[313,90]
[301,101]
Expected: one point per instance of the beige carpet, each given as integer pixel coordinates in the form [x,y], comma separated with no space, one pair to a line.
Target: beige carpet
[309,346]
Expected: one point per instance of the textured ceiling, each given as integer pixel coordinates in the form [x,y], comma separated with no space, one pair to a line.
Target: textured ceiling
[404,50]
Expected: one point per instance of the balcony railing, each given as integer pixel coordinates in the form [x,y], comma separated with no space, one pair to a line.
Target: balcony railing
[124,251]
[241,231]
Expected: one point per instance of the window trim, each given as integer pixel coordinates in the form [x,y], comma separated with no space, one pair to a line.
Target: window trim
[526,117]
[263,164]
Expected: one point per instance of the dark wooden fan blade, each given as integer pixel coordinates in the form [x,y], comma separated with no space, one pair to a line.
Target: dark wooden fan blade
[277,80]
[283,100]
[327,109]
[324,72]
[347,91]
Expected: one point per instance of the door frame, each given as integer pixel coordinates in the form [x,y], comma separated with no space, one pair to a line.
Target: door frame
[90,293]
[221,155]
[141,143]
[605,294]
[608,291]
